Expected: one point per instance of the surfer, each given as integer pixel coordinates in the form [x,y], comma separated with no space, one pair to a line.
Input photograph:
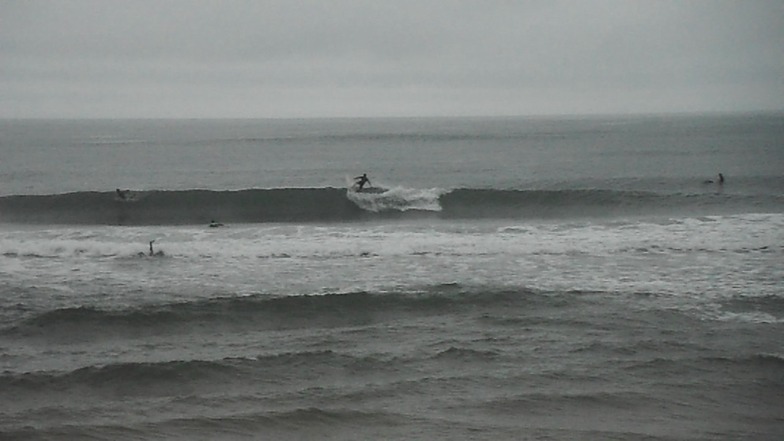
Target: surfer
[361,181]
[214,224]
[719,181]
[122,193]
[152,252]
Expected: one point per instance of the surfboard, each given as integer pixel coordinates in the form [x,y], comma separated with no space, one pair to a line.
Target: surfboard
[372,190]
[351,185]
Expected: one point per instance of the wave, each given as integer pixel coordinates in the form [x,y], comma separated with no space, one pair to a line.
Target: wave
[261,312]
[757,364]
[194,207]
[114,376]
[157,376]
[546,403]
[293,423]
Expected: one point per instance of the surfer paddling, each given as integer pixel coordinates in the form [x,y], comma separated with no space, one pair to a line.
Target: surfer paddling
[361,181]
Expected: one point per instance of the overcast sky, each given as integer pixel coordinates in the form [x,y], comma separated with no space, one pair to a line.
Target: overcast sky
[289,58]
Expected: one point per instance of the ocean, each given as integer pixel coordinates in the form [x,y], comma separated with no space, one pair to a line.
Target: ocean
[551,278]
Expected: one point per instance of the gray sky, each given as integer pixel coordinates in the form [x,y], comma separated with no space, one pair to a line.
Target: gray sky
[289,58]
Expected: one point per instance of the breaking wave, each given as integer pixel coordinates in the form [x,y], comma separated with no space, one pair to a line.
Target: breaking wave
[193,207]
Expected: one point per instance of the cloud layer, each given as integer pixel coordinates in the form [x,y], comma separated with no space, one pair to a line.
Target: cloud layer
[404,58]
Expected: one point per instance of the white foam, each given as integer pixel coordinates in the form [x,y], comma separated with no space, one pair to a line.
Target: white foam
[701,258]
[398,199]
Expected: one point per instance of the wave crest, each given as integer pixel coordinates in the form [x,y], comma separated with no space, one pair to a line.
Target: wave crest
[194,207]
[398,199]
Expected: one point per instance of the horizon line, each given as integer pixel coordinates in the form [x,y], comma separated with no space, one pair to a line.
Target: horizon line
[346,117]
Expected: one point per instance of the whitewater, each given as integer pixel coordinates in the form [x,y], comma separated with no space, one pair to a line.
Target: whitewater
[508,278]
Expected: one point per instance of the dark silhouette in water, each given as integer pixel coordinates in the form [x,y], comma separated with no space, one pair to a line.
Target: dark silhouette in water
[152,251]
[214,224]
[719,181]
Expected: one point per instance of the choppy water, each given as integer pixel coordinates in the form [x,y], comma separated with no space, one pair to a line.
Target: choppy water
[515,279]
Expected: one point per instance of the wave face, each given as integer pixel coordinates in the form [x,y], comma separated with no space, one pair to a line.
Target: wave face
[263,312]
[182,207]
[193,207]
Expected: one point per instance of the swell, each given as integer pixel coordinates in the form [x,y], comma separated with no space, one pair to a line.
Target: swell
[294,423]
[164,377]
[277,368]
[193,207]
[235,378]
[260,312]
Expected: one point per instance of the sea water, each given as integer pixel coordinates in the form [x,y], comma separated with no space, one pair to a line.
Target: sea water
[516,278]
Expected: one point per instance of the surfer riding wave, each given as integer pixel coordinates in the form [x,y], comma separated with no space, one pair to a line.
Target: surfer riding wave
[361,181]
